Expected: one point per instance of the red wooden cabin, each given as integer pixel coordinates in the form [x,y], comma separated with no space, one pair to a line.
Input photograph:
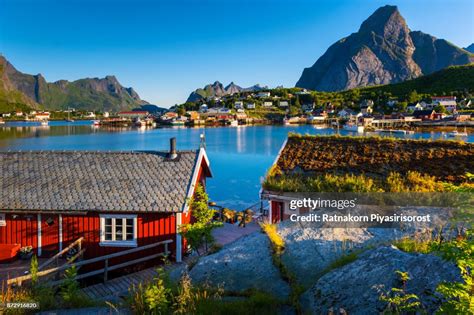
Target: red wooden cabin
[114,200]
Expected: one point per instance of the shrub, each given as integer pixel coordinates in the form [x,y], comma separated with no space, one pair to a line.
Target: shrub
[152,298]
[278,244]
[398,301]
[34,270]
[199,234]
[411,245]
[70,291]
[459,295]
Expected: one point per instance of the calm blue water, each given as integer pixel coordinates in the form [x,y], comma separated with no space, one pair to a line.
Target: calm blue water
[239,156]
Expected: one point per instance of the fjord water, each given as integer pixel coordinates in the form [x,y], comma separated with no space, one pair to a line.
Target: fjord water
[239,156]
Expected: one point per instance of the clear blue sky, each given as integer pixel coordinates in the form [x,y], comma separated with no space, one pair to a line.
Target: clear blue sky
[166,49]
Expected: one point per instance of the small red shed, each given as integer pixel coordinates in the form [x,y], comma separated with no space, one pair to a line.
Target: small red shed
[114,200]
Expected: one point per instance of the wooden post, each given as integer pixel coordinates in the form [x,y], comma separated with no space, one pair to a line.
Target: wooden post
[166,249]
[57,266]
[106,269]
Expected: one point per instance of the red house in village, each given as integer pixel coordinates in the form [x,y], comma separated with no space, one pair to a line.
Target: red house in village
[115,201]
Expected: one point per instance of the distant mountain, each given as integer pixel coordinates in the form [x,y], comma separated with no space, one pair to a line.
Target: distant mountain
[383,51]
[10,98]
[217,89]
[255,88]
[152,109]
[105,94]
[470,48]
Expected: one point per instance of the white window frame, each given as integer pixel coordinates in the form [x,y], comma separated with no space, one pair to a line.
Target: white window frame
[113,242]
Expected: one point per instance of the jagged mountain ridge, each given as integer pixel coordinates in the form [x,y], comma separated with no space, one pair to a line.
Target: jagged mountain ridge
[470,48]
[217,89]
[383,51]
[103,94]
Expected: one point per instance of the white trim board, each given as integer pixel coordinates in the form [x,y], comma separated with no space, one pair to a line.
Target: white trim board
[202,155]
[39,234]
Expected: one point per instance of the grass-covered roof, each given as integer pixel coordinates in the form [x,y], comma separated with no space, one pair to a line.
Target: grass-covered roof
[375,157]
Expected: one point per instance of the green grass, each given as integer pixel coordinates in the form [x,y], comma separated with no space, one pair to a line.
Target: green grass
[257,303]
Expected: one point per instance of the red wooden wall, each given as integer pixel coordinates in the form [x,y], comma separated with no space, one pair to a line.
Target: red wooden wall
[20,230]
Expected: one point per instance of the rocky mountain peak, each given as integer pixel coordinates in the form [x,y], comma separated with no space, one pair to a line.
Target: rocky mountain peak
[383,18]
[111,78]
[383,51]
[470,48]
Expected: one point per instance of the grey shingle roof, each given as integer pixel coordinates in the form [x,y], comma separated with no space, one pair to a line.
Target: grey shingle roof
[95,181]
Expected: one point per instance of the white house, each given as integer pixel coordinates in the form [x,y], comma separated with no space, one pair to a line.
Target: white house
[239,105]
[366,110]
[415,106]
[345,113]
[449,105]
[268,104]
[392,103]
[308,107]
[89,115]
[283,104]
[435,99]
[302,92]
[250,105]
[263,94]
[42,116]
[224,110]
[203,108]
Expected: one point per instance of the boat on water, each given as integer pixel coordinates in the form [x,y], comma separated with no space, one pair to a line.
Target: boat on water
[395,131]
[44,123]
[234,123]
[140,123]
[96,122]
[176,122]
[2,122]
[69,119]
[286,121]
[456,133]
[353,128]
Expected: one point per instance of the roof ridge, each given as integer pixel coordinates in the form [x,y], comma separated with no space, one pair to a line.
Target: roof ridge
[95,151]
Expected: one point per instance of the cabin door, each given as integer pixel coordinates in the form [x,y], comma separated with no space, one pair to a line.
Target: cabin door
[49,234]
[277,211]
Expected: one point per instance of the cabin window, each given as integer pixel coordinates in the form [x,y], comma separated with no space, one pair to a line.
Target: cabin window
[118,230]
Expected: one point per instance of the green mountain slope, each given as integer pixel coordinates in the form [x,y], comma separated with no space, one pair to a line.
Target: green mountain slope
[446,81]
[10,98]
[102,94]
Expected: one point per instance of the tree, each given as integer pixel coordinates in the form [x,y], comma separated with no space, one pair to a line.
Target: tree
[181,111]
[413,97]
[199,233]
[402,106]
[293,110]
[440,109]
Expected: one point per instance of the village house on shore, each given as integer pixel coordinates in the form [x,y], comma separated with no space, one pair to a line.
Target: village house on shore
[113,200]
